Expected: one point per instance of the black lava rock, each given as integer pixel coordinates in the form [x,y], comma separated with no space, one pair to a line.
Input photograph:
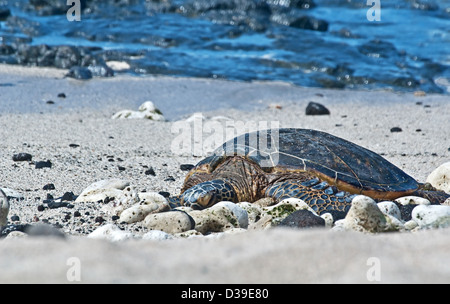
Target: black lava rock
[150,171]
[80,73]
[406,211]
[396,129]
[22,157]
[310,23]
[43,164]
[13,227]
[68,197]
[49,187]
[302,219]
[4,13]
[315,108]
[186,167]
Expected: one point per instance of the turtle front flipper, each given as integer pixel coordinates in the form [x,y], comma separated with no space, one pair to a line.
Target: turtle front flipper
[319,195]
[174,201]
[208,193]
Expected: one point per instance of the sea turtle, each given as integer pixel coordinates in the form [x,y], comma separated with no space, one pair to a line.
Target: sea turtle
[323,170]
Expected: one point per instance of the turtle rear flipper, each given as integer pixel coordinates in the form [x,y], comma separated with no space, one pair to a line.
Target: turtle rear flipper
[435,197]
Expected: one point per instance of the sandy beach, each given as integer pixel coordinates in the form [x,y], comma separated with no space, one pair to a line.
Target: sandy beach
[76,134]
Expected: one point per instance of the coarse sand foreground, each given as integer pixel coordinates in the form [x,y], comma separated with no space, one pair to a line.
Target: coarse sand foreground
[76,134]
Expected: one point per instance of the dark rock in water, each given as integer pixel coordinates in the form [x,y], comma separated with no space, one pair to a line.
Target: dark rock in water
[315,108]
[302,219]
[301,4]
[43,164]
[97,66]
[396,129]
[22,157]
[80,73]
[4,13]
[310,23]
[67,57]
[186,167]
[250,14]
[52,7]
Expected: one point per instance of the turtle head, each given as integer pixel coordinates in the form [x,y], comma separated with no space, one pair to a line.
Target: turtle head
[207,194]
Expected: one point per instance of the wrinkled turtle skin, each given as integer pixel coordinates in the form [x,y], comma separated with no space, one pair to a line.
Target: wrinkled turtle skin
[323,170]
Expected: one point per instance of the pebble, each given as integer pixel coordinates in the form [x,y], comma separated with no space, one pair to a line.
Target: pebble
[412,200]
[43,164]
[149,203]
[396,129]
[157,235]
[80,73]
[431,216]
[146,111]
[440,177]
[170,222]
[111,233]
[12,194]
[302,219]
[100,190]
[314,108]
[4,209]
[214,219]
[390,208]
[22,157]
[364,216]
[240,213]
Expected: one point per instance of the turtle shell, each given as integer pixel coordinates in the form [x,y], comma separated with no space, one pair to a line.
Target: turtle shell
[341,163]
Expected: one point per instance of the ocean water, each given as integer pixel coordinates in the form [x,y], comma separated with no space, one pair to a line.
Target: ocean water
[407,49]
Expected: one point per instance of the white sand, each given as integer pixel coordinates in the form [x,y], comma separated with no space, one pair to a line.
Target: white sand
[29,124]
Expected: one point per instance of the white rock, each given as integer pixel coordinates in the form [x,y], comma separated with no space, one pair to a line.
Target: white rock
[149,203]
[16,235]
[298,204]
[214,219]
[253,211]
[111,233]
[157,235]
[170,222]
[390,208]
[410,225]
[431,216]
[240,213]
[412,200]
[102,189]
[4,209]
[11,193]
[118,65]
[328,218]
[440,177]
[365,216]
[146,111]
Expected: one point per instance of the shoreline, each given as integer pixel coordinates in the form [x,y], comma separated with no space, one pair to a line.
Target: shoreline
[85,145]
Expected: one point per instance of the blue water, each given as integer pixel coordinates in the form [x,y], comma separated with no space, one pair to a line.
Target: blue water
[408,50]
